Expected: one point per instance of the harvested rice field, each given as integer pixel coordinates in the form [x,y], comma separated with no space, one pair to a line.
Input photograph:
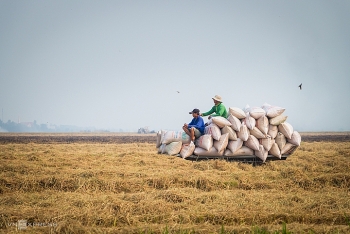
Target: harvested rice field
[117,183]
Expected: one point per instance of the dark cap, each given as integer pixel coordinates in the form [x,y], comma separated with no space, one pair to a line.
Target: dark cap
[195,111]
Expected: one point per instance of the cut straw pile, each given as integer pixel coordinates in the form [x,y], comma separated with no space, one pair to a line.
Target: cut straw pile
[255,131]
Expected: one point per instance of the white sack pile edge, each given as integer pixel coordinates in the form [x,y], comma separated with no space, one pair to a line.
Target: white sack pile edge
[259,131]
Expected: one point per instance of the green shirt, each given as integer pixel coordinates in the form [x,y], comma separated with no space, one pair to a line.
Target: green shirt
[219,110]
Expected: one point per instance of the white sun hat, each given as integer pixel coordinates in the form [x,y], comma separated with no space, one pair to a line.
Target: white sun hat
[217,98]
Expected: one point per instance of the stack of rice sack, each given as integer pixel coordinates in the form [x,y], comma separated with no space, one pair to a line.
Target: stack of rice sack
[173,143]
[259,131]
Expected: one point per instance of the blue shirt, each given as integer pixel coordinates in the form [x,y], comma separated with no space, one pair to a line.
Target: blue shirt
[197,123]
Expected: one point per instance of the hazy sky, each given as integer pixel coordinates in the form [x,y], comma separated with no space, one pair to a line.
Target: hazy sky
[119,64]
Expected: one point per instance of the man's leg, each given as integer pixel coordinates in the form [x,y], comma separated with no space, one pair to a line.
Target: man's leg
[192,134]
[186,130]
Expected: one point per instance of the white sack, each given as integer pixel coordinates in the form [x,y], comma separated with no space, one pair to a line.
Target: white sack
[261,153]
[221,144]
[262,124]
[273,130]
[266,142]
[187,150]
[173,148]
[257,133]
[205,141]
[295,139]
[235,145]
[243,133]
[220,121]
[173,136]
[213,130]
[246,109]
[278,120]
[232,135]
[161,148]
[237,112]
[286,129]
[275,151]
[235,122]
[288,148]
[159,136]
[255,112]
[249,121]
[252,142]
[280,140]
[272,111]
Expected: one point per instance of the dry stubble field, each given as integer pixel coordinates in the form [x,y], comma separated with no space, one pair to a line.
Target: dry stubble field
[117,183]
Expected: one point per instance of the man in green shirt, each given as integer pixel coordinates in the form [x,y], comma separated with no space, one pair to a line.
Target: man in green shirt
[219,109]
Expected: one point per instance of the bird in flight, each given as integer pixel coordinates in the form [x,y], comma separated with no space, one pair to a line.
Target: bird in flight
[300,86]
[178,91]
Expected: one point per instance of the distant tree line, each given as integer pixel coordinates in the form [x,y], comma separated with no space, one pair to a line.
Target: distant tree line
[11,126]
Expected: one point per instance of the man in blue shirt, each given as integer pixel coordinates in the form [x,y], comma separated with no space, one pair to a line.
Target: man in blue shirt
[196,127]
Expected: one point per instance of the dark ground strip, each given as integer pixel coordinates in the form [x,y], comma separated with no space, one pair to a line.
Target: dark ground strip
[77,139]
[135,139]
[332,138]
